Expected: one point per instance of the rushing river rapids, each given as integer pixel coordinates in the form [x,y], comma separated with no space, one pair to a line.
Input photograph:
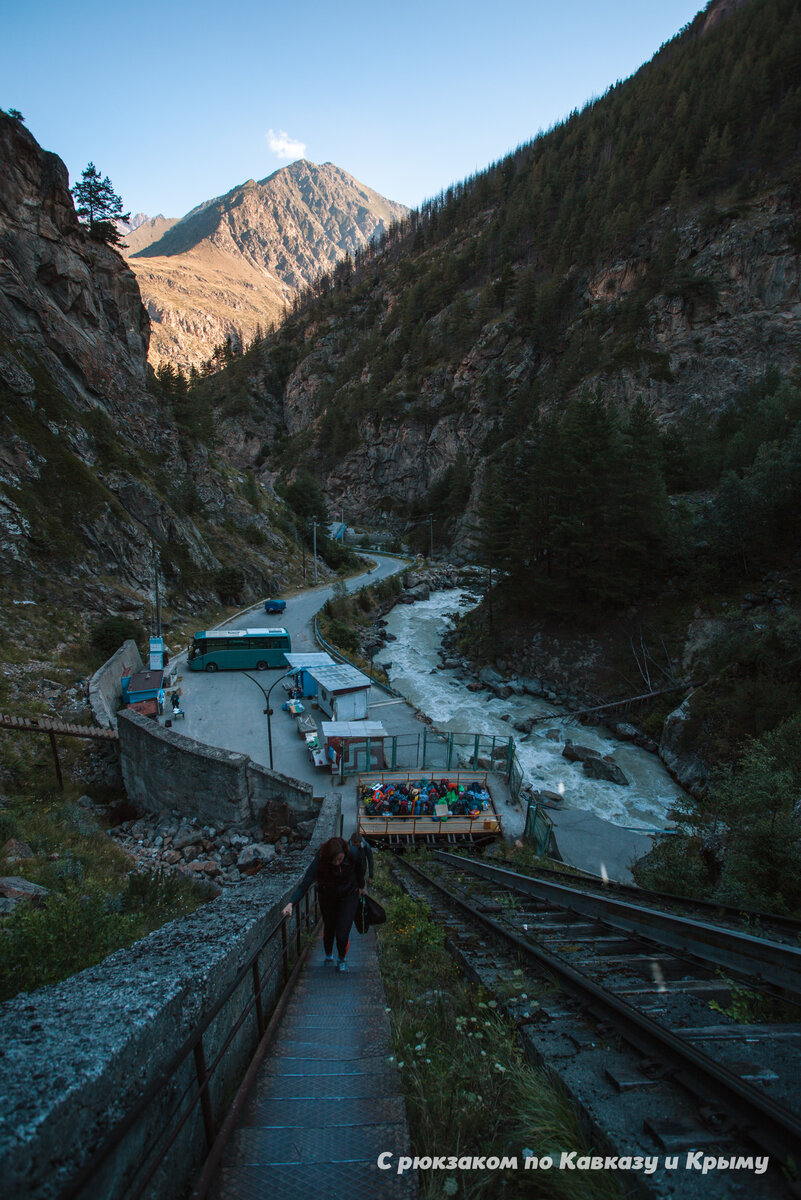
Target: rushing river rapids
[443,697]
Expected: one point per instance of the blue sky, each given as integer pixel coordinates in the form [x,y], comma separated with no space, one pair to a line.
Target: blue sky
[178,102]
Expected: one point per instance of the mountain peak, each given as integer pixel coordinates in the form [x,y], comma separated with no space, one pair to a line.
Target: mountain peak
[261,242]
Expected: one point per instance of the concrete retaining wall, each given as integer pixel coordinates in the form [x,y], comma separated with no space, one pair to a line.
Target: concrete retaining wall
[163,769]
[105,687]
[76,1056]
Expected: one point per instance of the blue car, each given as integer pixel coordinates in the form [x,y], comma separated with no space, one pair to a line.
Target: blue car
[274,606]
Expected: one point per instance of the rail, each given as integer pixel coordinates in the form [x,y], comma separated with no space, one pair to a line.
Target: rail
[538,828]
[754,957]
[195,1099]
[51,728]
[757,918]
[767,1123]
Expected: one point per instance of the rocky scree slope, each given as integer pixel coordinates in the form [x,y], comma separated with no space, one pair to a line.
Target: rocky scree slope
[92,462]
[232,265]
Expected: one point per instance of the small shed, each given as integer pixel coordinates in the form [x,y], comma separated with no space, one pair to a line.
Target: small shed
[360,742]
[144,685]
[302,662]
[342,691]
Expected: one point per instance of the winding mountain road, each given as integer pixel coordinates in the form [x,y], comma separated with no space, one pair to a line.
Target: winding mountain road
[226,708]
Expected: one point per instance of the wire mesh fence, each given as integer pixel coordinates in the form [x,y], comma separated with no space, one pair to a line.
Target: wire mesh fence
[433,750]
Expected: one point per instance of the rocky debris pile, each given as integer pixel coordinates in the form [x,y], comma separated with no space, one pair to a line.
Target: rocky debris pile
[222,855]
[418,585]
[29,681]
[498,681]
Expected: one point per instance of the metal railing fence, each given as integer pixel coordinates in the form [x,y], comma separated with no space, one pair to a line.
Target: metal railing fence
[184,1087]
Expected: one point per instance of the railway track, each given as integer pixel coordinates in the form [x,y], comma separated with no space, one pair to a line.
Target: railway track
[778,927]
[628,1007]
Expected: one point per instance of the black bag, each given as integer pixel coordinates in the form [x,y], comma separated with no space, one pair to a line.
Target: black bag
[369,912]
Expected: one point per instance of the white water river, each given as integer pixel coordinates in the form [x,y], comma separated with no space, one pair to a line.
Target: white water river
[419,627]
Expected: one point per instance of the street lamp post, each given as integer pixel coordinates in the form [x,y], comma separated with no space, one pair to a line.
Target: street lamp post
[267,710]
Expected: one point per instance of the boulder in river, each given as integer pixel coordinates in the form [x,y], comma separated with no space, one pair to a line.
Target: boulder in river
[574,753]
[601,768]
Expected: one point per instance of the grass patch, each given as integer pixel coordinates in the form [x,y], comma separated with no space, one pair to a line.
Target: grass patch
[82,923]
[97,902]
[468,1088]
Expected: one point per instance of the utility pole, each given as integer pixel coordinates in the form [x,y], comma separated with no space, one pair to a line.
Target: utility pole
[431,536]
[314,534]
[156,570]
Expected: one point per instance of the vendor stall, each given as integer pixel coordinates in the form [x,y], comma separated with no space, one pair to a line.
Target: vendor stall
[398,807]
[359,743]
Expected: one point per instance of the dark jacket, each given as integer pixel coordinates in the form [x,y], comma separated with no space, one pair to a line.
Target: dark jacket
[344,880]
[363,855]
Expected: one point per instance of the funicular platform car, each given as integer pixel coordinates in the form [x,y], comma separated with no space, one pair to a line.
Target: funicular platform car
[403,808]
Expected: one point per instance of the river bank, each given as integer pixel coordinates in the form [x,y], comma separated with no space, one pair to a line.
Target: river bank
[603,825]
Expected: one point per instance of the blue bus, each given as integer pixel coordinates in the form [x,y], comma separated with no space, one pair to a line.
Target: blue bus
[239,649]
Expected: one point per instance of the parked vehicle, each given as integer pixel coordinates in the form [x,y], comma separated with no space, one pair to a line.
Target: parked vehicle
[239,649]
[274,606]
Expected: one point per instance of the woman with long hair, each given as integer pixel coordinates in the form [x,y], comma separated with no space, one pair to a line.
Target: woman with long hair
[340,882]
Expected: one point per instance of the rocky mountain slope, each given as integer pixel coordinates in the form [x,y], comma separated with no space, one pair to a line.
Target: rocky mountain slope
[581,367]
[647,248]
[232,265]
[97,464]
[144,233]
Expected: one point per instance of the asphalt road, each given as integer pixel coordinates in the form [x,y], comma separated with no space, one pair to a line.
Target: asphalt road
[226,708]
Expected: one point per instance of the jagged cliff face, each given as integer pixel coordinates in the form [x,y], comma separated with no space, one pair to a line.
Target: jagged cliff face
[231,265]
[73,302]
[93,467]
[693,348]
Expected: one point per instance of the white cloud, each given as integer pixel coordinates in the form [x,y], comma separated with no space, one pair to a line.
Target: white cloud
[283,146]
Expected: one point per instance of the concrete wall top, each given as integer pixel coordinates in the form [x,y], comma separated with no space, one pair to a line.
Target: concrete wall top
[105,687]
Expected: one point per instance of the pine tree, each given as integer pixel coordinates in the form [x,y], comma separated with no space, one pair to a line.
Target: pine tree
[99,206]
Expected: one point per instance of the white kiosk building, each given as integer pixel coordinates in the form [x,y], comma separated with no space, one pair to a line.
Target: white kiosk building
[342,691]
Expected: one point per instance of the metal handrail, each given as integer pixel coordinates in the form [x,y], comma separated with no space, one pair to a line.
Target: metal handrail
[193,1044]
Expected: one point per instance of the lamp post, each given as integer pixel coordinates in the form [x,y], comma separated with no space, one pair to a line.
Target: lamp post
[267,710]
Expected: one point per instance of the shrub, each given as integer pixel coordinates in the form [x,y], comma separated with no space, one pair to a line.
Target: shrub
[70,932]
[229,583]
[108,635]
[343,636]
